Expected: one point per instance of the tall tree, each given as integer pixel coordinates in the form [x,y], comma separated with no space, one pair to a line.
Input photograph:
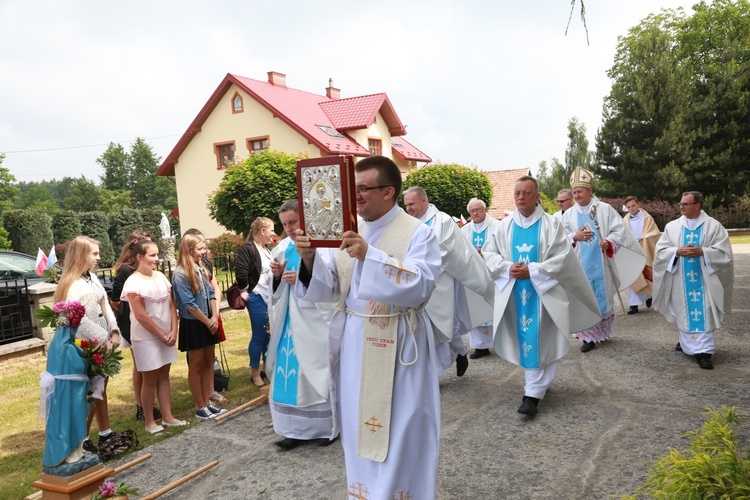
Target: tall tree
[450,186]
[577,153]
[552,178]
[116,164]
[8,190]
[84,196]
[678,115]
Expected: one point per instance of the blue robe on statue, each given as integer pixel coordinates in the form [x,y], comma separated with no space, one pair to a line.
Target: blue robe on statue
[67,408]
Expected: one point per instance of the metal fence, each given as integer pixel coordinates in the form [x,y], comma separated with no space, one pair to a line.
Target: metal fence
[15,311]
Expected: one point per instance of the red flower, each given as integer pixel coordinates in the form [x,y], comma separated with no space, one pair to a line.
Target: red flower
[85,344]
[98,359]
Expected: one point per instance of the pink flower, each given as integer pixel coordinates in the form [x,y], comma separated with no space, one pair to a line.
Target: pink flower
[107,489]
[98,359]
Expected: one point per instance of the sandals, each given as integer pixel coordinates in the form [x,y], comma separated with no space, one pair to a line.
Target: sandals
[215,396]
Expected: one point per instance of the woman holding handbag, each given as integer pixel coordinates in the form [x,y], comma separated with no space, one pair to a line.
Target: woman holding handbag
[252,270]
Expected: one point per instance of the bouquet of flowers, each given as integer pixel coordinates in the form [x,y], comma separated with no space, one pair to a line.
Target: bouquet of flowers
[109,490]
[102,361]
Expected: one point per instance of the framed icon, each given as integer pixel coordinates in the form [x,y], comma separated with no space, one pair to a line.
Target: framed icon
[325,189]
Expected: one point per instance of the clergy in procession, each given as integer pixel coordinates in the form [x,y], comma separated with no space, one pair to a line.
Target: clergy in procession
[478,231]
[564,202]
[461,267]
[297,359]
[382,353]
[541,294]
[693,278]
[643,227]
[611,257]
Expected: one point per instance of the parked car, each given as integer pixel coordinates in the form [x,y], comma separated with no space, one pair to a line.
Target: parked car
[17,265]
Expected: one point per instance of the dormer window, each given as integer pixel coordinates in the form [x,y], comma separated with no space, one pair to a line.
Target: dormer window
[375,146]
[237,106]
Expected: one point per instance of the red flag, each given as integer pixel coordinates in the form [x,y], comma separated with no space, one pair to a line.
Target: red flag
[463,221]
[41,262]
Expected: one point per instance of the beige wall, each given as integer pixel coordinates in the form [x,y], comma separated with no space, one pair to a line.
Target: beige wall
[196,174]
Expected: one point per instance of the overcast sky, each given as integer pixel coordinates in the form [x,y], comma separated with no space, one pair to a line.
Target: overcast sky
[483,83]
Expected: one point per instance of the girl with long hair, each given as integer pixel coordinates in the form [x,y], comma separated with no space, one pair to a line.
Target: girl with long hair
[153,318]
[199,310]
[78,282]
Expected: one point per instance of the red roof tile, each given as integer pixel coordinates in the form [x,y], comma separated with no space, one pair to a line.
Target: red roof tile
[401,147]
[503,183]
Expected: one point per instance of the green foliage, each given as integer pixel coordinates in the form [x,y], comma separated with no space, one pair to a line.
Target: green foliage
[660,210]
[65,226]
[8,191]
[548,205]
[96,225]
[678,115]
[5,243]
[112,202]
[450,186]
[713,467]
[28,230]
[552,178]
[254,188]
[122,223]
[225,244]
[37,197]
[151,219]
[84,196]
[734,215]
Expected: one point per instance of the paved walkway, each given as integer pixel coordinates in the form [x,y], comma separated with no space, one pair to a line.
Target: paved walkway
[609,412]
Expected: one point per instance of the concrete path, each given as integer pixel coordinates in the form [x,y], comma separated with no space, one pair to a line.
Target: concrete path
[609,413]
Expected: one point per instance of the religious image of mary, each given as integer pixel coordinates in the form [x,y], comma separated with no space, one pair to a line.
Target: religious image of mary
[64,407]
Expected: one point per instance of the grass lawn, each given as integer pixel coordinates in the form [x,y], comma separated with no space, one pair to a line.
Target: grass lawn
[736,240]
[22,433]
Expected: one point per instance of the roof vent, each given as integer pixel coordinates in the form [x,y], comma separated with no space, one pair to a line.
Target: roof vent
[331,92]
[277,79]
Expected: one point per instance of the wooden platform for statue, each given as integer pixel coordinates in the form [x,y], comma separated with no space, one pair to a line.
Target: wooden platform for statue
[77,487]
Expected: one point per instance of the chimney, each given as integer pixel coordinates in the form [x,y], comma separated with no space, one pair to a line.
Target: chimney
[331,92]
[277,79]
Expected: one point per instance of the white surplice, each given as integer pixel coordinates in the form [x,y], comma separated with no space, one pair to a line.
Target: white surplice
[410,467]
[717,270]
[567,301]
[461,267]
[310,417]
[481,336]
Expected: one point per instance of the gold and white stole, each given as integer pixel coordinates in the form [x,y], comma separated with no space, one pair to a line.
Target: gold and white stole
[380,340]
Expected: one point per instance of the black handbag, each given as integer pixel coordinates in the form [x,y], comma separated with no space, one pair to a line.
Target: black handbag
[234,297]
[221,371]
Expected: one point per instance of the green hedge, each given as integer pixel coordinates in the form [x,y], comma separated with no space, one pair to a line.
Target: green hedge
[28,230]
[121,224]
[65,226]
[96,225]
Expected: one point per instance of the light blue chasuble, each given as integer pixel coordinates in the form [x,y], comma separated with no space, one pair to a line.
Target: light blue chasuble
[287,365]
[592,260]
[525,249]
[692,276]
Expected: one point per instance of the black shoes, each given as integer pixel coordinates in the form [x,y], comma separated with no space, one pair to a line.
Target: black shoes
[633,310]
[479,353]
[678,347]
[649,302]
[587,346]
[287,444]
[528,406]
[90,447]
[462,363]
[326,441]
[139,413]
[704,361]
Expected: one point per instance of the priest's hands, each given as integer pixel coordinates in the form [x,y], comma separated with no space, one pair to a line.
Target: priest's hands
[519,271]
[353,244]
[305,251]
[690,251]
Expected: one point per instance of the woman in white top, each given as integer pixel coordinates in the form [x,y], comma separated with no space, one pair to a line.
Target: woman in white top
[78,282]
[153,332]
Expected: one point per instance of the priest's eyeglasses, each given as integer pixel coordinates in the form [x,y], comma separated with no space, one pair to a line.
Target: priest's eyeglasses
[563,201]
[688,204]
[364,189]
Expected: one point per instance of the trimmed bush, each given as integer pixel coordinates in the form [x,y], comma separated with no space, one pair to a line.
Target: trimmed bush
[96,225]
[225,244]
[121,224]
[450,186]
[65,226]
[28,230]
[735,215]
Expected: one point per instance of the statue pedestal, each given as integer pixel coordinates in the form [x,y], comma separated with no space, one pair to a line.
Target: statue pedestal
[77,487]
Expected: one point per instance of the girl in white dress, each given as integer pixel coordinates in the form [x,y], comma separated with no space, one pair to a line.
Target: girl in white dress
[153,332]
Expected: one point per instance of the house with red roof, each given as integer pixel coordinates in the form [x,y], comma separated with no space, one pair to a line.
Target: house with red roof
[244,116]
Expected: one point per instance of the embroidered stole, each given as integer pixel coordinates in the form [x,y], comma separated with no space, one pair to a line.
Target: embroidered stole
[525,249]
[478,238]
[692,277]
[380,341]
[286,374]
[592,261]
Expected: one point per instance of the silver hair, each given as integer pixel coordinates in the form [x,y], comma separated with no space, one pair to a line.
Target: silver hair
[484,205]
